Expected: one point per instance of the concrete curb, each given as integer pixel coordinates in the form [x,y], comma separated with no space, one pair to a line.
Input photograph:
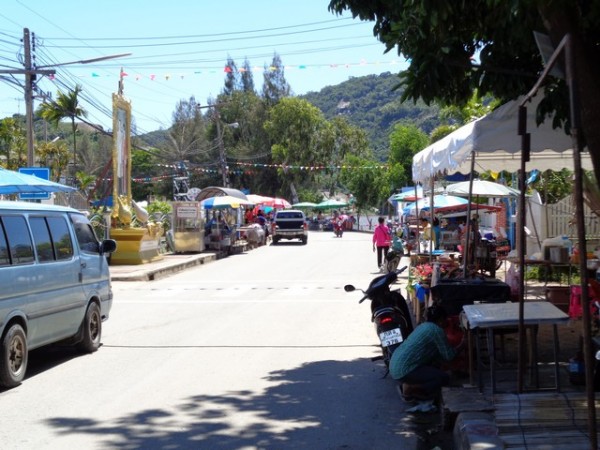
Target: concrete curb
[169,265]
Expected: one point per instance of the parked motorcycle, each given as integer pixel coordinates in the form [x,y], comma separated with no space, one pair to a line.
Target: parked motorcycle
[389,313]
[392,260]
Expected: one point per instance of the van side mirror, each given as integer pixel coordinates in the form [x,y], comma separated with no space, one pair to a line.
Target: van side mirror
[108,246]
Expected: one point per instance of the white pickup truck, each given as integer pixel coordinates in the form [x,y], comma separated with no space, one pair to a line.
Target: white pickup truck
[289,224]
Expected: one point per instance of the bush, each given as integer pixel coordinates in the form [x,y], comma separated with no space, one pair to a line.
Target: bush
[161,207]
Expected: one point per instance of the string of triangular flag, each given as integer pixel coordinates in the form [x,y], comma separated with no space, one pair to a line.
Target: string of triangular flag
[248,169]
[226,69]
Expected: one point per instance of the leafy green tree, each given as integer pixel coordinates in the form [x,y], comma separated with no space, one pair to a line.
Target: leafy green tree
[85,180]
[12,142]
[368,184]
[441,132]
[340,139]
[275,86]
[232,76]
[405,142]
[294,127]
[440,39]
[144,165]
[55,156]
[65,106]
[247,143]
[474,108]
[187,139]
[247,79]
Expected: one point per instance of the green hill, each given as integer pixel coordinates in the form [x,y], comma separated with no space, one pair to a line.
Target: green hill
[369,102]
[372,103]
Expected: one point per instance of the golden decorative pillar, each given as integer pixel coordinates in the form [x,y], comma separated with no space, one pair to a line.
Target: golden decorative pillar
[135,245]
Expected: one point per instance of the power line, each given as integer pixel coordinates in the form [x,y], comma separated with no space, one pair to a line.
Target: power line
[261,30]
[210,41]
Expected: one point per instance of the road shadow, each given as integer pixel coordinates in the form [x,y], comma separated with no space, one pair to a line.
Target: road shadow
[46,358]
[321,405]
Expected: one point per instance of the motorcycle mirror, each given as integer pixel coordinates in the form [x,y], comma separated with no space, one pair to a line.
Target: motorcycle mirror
[349,288]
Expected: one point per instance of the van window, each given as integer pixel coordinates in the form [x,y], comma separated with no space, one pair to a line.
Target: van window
[19,241]
[4,256]
[41,237]
[61,238]
[52,238]
[85,234]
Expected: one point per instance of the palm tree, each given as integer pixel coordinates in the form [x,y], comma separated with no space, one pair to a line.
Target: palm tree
[66,105]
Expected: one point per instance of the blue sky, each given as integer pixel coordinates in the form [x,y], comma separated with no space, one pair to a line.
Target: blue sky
[179,49]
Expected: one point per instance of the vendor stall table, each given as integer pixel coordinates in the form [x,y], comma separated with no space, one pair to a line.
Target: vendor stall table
[499,315]
[453,294]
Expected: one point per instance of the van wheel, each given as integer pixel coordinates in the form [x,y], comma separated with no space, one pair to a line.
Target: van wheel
[91,329]
[13,356]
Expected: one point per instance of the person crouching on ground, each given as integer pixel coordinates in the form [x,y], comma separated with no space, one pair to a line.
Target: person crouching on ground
[415,363]
[381,241]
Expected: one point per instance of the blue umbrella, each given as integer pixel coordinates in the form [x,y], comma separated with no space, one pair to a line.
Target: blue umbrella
[440,203]
[20,183]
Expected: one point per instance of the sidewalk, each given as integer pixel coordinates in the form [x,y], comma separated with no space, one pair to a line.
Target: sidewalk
[470,419]
[168,265]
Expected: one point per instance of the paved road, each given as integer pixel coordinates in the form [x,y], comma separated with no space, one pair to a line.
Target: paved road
[259,350]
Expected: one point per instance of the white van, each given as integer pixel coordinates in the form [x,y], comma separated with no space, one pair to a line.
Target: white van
[55,283]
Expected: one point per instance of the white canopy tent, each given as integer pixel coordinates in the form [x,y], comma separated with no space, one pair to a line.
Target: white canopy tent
[494,143]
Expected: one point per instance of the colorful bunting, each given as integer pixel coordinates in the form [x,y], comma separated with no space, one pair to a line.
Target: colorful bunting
[246,169]
[227,69]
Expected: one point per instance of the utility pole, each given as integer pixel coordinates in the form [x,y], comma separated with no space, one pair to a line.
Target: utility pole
[31,74]
[29,78]
[221,150]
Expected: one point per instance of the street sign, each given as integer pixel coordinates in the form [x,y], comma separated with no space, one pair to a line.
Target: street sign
[40,172]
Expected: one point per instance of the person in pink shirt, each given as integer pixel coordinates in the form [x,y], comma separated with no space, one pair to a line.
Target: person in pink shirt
[381,241]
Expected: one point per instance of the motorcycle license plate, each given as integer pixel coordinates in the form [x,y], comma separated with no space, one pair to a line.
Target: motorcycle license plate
[390,337]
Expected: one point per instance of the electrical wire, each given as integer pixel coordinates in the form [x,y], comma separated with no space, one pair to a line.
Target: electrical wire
[210,41]
[147,38]
[65,78]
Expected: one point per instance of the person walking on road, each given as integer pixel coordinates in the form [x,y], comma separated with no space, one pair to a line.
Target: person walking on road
[381,242]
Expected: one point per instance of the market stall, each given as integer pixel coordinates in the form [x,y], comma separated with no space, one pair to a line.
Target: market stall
[496,141]
[223,214]
[187,232]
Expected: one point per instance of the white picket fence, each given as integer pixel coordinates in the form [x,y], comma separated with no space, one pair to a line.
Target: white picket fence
[560,220]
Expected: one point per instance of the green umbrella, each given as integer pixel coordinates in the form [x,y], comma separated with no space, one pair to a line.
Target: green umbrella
[304,205]
[331,204]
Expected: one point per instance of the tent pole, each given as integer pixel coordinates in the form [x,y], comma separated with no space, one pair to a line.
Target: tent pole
[417,214]
[579,213]
[566,45]
[525,148]
[467,249]
[431,215]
